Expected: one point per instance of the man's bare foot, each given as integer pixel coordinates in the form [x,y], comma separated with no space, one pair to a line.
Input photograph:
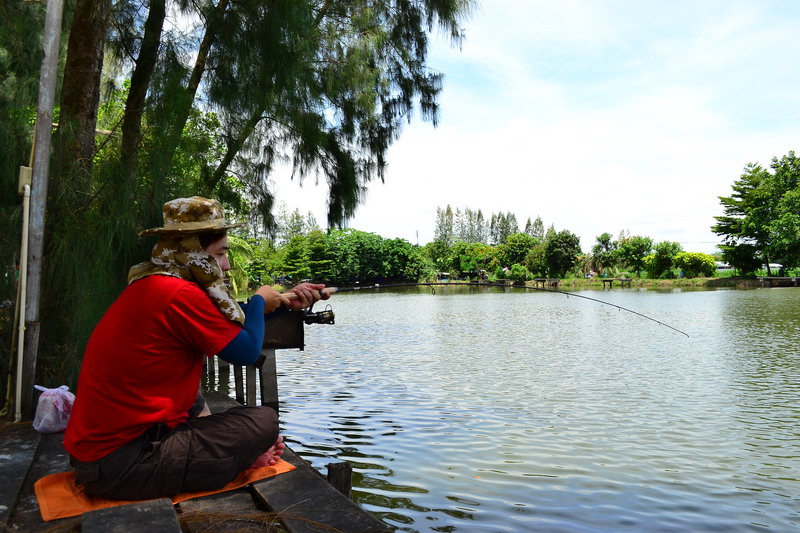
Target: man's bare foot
[271,456]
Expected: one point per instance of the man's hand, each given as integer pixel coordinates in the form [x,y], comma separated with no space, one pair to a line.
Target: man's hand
[306,295]
[272,298]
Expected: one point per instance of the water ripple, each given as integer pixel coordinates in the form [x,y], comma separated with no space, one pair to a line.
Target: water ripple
[488,411]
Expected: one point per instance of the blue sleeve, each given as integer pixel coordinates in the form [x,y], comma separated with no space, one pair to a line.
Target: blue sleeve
[245,347]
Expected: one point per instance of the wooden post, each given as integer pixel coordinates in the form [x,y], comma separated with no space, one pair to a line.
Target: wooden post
[239,384]
[269,379]
[211,373]
[41,168]
[251,385]
[224,368]
[340,476]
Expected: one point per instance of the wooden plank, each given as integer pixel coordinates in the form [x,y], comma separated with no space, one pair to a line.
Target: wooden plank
[17,449]
[50,458]
[227,511]
[306,502]
[302,498]
[152,515]
[219,402]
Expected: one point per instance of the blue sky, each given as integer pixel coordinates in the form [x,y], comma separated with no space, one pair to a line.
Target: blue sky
[597,116]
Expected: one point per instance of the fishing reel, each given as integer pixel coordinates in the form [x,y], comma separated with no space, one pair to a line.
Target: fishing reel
[325,316]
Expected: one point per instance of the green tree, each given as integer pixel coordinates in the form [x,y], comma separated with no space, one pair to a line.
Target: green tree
[265,262]
[240,253]
[320,262]
[501,226]
[560,252]
[289,224]
[295,259]
[761,215]
[445,230]
[515,248]
[470,226]
[395,254]
[519,273]
[419,267]
[633,250]
[21,25]
[467,258]
[744,218]
[783,189]
[660,263]
[438,253]
[537,228]
[356,256]
[324,86]
[742,257]
[536,261]
[604,253]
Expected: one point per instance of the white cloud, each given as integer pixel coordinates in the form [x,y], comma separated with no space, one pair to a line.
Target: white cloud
[596,116]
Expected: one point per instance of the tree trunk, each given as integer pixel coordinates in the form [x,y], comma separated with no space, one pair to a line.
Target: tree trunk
[140,81]
[233,149]
[185,99]
[80,97]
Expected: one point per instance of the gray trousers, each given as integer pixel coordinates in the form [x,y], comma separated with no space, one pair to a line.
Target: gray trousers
[204,453]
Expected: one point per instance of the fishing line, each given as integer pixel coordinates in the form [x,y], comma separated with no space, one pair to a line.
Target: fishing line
[332,290]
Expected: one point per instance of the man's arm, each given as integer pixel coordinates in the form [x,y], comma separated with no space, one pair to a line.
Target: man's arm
[245,347]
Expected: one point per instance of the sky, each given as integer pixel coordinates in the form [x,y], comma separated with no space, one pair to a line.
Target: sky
[597,116]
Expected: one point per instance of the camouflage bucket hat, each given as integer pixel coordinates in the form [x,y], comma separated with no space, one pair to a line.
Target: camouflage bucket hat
[191,215]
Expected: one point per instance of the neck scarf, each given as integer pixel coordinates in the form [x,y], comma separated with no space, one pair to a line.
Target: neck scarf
[183,257]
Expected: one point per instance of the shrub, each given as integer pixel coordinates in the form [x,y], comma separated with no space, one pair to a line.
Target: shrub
[659,263]
[519,273]
[696,264]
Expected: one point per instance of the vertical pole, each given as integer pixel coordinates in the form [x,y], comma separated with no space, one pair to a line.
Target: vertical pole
[340,476]
[41,167]
[238,378]
[250,383]
[23,293]
[269,379]
[224,368]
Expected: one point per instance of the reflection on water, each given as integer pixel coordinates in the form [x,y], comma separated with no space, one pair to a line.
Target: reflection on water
[479,410]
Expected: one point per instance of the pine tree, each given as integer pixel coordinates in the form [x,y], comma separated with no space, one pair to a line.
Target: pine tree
[445,226]
[325,86]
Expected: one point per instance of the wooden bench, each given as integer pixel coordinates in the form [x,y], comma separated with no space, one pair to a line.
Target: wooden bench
[549,282]
[610,282]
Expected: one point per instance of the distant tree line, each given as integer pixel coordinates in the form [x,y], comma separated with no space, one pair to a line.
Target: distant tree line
[466,245]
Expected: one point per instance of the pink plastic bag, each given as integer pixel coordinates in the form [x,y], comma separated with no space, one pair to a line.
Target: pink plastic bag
[53,409]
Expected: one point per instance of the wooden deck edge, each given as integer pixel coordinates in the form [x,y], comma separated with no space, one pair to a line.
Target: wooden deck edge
[151,515]
[306,503]
[302,498]
[18,446]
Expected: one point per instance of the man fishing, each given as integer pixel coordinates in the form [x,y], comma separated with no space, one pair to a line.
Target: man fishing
[139,428]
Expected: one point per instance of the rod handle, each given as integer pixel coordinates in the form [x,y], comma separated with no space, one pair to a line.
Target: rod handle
[326,290]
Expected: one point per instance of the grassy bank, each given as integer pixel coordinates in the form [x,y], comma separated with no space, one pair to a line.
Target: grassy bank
[644,283]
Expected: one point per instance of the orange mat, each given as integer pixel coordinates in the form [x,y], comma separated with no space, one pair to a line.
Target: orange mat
[60,497]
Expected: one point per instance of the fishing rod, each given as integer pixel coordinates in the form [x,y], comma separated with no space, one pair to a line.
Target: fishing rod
[334,290]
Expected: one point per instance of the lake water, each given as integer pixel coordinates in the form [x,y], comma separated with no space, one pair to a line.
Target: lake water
[479,409]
